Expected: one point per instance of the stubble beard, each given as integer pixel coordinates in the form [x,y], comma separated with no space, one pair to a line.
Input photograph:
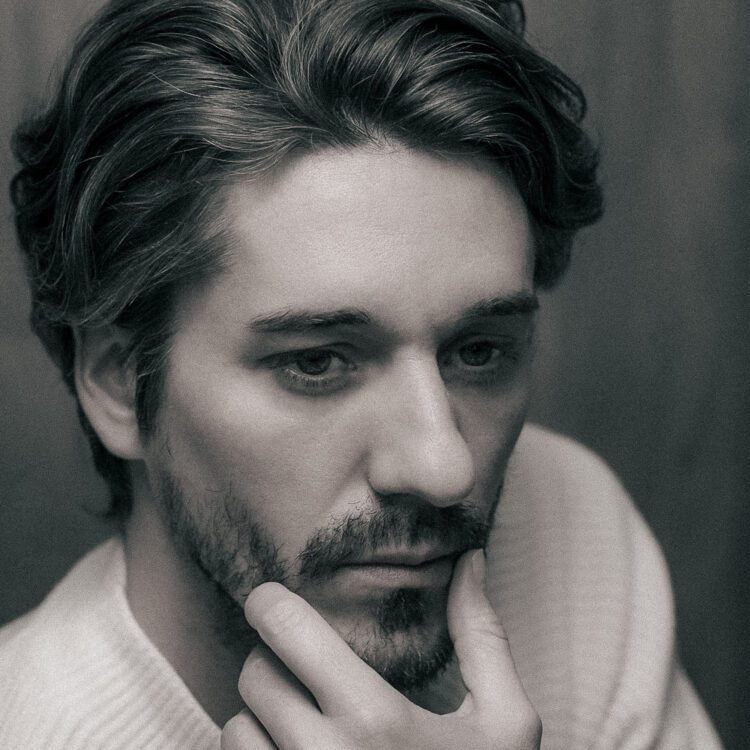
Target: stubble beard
[404,636]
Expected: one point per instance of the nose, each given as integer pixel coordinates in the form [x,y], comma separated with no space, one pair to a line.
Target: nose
[418,448]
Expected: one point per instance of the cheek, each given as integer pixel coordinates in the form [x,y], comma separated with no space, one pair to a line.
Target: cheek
[491,430]
[290,468]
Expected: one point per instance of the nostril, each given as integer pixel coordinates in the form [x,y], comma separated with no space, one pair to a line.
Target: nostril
[439,472]
[419,449]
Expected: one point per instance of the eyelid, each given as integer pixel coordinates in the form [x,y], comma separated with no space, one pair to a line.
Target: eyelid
[290,355]
[506,358]
[498,340]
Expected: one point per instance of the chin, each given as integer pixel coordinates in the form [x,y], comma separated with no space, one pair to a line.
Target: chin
[408,661]
[403,637]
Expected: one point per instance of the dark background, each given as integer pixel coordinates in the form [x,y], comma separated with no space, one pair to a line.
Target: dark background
[645,347]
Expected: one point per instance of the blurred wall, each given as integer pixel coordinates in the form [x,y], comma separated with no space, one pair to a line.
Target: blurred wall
[645,347]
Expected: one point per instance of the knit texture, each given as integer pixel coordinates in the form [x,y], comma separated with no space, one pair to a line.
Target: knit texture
[574,573]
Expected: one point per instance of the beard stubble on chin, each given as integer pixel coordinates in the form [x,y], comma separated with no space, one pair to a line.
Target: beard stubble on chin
[234,554]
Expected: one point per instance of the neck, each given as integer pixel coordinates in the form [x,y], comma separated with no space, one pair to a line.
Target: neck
[173,603]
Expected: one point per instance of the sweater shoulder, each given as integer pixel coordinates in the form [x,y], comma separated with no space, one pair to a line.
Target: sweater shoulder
[583,589]
[36,647]
[77,672]
[565,489]
[550,462]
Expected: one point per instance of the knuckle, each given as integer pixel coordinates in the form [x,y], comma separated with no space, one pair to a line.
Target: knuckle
[484,625]
[395,728]
[487,626]
[526,728]
[282,617]
[517,728]
[339,738]
[370,718]
[233,733]
[375,719]
[253,670]
[486,634]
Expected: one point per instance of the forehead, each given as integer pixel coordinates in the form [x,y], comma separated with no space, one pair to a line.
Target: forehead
[395,232]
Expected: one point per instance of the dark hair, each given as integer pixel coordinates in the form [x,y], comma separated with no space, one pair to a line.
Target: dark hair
[165,101]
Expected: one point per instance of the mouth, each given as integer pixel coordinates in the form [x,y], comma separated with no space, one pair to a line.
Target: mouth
[405,568]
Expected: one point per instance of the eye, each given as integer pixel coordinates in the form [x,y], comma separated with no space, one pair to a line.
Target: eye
[314,362]
[482,361]
[313,371]
[477,354]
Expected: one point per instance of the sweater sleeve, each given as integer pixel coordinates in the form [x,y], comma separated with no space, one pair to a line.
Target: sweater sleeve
[653,705]
[686,725]
[584,592]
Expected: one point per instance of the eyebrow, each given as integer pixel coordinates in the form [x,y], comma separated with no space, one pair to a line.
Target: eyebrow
[306,321]
[521,303]
[303,321]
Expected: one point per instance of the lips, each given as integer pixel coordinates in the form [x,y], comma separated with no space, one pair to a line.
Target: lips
[412,558]
[402,568]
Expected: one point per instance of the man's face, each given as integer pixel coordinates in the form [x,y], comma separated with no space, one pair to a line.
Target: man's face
[341,402]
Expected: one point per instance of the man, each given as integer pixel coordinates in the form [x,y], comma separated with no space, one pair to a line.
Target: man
[286,255]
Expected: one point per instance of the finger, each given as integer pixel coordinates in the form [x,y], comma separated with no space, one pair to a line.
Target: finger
[243,732]
[284,707]
[479,640]
[314,652]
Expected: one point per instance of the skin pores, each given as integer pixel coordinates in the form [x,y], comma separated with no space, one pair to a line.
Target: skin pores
[364,359]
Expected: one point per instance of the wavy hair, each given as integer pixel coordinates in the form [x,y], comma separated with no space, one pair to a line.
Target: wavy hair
[165,101]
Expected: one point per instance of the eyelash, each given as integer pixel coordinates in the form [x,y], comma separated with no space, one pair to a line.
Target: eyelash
[321,385]
[282,366]
[508,354]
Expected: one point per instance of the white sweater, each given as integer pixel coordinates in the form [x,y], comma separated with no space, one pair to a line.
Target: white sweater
[577,577]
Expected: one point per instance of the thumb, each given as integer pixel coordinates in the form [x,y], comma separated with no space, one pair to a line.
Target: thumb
[479,640]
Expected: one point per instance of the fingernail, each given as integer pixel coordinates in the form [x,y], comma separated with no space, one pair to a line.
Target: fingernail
[478,567]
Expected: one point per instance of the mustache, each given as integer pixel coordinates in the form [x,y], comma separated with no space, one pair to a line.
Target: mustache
[455,528]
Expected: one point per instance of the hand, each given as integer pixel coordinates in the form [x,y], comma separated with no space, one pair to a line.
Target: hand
[327,698]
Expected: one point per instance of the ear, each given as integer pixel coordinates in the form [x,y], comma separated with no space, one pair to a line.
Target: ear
[105,383]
